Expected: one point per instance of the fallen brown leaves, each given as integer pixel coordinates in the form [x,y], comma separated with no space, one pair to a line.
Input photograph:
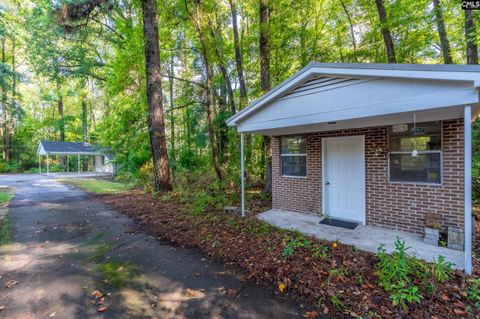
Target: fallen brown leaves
[346,275]
[98,300]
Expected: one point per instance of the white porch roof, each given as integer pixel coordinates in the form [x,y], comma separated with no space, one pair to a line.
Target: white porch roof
[331,96]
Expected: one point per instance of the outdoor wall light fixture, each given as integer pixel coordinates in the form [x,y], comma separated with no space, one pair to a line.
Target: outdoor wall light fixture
[415,151]
[377,151]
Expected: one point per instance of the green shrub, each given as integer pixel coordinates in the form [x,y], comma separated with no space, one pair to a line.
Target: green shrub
[473,291]
[145,176]
[10,167]
[4,167]
[442,269]
[397,272]
[403,295]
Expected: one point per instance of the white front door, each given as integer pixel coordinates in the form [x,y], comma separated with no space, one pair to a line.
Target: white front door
[344,177]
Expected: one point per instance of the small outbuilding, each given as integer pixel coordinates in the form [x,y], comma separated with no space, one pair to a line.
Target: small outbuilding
[378,145]
[102,159]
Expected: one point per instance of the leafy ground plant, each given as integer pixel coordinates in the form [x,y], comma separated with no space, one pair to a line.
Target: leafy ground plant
[396,273]
[441,269]
[320,251]
[293,244]
[473,291]
[4,231]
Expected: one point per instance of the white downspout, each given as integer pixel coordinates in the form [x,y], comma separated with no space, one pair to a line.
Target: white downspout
[39,163]
[242,169]
[467,122]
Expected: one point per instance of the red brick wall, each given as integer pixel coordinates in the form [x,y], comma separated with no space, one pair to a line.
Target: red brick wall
[399,206]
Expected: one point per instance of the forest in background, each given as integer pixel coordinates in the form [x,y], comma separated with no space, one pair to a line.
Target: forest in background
[79,71]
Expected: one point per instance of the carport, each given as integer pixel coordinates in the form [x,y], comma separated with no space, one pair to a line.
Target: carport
[103,160]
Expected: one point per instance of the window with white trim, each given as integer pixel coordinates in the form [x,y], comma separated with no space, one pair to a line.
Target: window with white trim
[293,155]
[415,153]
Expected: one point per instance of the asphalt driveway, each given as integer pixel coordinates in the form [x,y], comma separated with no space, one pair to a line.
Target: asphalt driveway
[64,247]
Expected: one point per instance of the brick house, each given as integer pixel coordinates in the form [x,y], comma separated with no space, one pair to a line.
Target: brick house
[377,144]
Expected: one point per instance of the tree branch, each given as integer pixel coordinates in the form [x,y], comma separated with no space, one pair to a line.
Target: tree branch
[184,80]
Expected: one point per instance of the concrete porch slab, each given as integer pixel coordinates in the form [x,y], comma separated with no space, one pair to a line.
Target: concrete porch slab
[366,238]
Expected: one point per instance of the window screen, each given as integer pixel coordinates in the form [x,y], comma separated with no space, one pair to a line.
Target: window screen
[422,166]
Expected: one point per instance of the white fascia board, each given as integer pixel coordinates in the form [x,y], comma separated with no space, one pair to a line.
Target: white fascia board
[425,75]
[292,81]
[426,102]
[74,153]
[40,149]
[306,72]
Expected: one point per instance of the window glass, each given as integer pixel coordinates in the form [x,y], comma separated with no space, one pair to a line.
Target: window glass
[294,165]
[294,145]
[293,156]
[424,168]
[425,137]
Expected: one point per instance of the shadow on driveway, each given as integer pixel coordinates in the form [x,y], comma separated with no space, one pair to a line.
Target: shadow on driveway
[65,246]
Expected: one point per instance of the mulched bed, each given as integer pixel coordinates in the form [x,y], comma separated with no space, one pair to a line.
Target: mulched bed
[257,249]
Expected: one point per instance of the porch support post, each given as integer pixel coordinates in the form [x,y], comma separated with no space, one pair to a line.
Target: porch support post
[48,166]
[467,122]
[242,169]
[78,164]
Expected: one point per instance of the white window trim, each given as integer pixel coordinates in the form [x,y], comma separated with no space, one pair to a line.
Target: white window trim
[299,154]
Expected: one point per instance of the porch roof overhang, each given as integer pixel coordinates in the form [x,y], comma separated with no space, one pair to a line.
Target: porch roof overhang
[69,148]
[330,96]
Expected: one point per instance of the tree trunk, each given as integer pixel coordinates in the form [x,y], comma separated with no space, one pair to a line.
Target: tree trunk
[5,134]
[198,21]
[223,69]
[387,35]
[210,116]
[61,119]
[442,32]
[85,159]
[84,131]
[156,127]
[264,46]
[13,106]
[14,74]
[84,120]
[471,38]
[238,56]
[60,113]
[265,83]
[172,118]
[352,31]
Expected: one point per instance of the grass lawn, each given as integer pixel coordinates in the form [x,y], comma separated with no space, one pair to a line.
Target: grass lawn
[5,196]
[98,186]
